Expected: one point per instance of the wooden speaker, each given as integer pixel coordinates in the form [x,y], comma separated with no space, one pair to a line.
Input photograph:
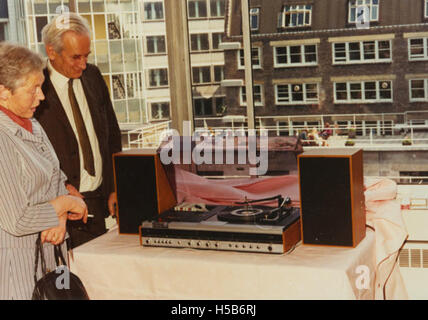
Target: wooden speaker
[144,187]
[332,197]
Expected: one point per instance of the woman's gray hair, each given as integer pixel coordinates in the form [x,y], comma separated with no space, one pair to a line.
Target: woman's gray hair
[52,32]
[17,62]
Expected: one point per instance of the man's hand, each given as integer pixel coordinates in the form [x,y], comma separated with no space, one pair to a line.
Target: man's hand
[112,203]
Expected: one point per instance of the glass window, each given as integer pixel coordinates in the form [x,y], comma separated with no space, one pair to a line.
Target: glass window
[418,49]
[254,19]
[217,8]
[201,75]
[418,90]
[203,107]
[366,91]
[155,44]
[291,56]
[216,40]
[153,11]
[426,8]
[199,42]
[158,78]
[362,52]
[255,58]
[257,95]
[218,73]
[294,16]
[159,110]
[359,11]
[197,9]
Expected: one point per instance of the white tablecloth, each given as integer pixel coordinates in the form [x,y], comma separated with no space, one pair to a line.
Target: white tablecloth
[115,266]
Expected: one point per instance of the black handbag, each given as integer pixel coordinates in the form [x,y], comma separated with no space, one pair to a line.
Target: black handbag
[50,287]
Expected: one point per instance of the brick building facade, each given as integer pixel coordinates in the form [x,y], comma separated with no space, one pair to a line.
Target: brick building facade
[332,58]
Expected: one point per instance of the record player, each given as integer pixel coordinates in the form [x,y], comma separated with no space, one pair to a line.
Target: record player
[245,226]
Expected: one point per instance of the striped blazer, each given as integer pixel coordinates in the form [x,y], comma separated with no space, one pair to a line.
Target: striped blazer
[29,177]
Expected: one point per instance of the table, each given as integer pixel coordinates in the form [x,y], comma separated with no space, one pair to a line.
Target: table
[116,267]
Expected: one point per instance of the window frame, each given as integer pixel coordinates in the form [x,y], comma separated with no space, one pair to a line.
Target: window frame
[289,64]
[255,13]
[240,55]
[149,73]
[153,3]
[426,9]
[157,52]
[363,4]
[291,102]
[424,47]
[210,14]
[207,7]
[362,60]
[260,103]
[363,90]
[199,35]
[295,10]
[151,103]
[425,98]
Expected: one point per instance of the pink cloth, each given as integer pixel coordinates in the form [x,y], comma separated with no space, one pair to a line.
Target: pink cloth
[383,214]
[195,189]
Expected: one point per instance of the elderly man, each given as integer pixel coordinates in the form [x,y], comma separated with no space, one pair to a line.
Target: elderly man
[78,116]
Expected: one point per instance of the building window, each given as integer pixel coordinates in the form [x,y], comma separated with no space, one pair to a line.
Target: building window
[257,95]
[418,49]
[203,107]
[292,56]
[426,8]
[254,19]
[159,111]
[155,44]
[158,78]
[153,11]
[362,52]
[297,93]
[201,75]
[2,32]
[197,9]
[294,16]
[418,90]
[199,42]
[217,8]
[357,8]
[218,73]
[216,40]
[364,91]
[255,58]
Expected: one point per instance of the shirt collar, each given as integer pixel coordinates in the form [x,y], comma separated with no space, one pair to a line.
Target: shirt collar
[57,78]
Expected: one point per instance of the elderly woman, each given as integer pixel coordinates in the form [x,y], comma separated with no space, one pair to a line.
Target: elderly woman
[33,197]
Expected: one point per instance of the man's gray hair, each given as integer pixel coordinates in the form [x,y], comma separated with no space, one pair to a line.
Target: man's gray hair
[17,62]
[52,32]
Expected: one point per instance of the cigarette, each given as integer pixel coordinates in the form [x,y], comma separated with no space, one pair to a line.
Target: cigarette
[90,215]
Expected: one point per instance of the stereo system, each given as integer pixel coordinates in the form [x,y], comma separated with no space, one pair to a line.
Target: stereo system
[332,206]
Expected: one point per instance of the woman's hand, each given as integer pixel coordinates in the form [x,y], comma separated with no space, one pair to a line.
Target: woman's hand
[56,234]
[74,207]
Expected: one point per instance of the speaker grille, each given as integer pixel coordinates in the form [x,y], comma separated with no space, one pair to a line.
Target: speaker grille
[326,207]
[136,191]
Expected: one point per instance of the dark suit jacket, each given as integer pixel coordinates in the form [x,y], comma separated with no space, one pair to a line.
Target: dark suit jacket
[54,121]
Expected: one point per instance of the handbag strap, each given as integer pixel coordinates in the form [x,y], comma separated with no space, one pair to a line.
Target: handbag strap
[39,252]
[59,258]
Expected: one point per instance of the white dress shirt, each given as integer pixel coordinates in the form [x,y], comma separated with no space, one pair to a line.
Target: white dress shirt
[60,83]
